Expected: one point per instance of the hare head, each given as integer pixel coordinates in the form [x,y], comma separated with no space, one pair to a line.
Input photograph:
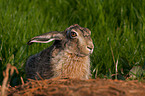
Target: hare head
[74,40]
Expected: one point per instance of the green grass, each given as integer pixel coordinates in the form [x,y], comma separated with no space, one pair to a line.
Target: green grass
[116,24]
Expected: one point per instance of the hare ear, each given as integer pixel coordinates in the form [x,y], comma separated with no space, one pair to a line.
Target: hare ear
[47,37]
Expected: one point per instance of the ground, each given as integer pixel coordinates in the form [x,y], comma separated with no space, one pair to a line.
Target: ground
[75,87]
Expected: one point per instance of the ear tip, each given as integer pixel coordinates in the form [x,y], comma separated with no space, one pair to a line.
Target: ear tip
[29,42]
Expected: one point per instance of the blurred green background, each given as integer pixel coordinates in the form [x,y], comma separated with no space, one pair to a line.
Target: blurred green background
[118,31]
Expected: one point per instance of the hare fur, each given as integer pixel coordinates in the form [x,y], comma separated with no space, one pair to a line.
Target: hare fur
[69,56]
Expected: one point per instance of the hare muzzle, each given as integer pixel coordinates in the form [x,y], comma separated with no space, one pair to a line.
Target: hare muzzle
[90,49]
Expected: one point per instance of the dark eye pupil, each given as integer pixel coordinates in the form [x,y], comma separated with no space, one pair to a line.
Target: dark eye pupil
[73,34]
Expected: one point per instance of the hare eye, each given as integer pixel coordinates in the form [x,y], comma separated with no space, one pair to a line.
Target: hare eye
[73,34]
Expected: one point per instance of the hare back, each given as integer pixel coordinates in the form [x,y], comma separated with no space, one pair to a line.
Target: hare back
[38,65]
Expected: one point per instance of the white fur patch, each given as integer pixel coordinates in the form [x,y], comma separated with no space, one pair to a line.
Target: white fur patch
[42,41]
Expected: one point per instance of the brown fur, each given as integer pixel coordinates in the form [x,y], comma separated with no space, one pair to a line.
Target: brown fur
[67,57]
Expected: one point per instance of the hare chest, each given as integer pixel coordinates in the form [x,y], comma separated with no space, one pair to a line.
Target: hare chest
[70,65]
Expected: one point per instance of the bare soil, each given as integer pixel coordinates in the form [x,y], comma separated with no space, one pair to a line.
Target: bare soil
[75,87]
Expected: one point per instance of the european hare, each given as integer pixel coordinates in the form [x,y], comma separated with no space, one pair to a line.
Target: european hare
[67,57]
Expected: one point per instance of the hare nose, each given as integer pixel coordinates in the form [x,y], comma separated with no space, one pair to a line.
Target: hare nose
[89,47]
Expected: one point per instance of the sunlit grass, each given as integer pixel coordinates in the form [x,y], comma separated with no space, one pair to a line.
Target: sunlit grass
[116,24]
